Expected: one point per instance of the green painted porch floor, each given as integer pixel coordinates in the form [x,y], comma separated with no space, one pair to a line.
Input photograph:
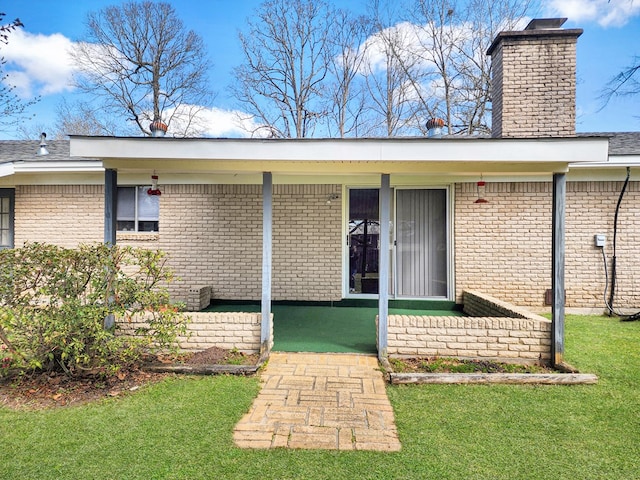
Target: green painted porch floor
[329,329]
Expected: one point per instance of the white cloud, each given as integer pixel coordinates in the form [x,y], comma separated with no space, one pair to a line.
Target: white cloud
[213,122]
[607,13]
[41,65]
[38,64]
[228,123]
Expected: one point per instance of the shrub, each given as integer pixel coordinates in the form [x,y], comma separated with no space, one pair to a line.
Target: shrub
[62,309]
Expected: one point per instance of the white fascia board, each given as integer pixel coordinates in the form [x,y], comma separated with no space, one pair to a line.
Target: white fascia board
[6,169]
[612,162]
[560,150]
[62,166]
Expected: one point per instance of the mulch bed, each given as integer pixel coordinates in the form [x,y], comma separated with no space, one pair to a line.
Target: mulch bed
[51,389]
[220,356]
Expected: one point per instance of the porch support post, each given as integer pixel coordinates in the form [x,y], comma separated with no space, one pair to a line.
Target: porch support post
[110,205]
[267,225]
[384,264]
[557,280]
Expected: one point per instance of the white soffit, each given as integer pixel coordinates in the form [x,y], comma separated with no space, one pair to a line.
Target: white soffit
[71,166]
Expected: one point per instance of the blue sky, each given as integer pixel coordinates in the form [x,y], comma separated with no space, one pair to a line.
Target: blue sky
[37,61]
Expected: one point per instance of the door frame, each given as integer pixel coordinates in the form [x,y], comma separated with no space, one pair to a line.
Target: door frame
[449,202]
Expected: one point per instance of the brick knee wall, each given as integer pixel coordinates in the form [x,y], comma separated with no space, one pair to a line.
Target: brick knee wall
[506,339]
[228,330]
[476,304]
[492,329]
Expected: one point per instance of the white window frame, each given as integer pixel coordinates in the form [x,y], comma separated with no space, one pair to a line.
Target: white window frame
[9,193]
[136,217]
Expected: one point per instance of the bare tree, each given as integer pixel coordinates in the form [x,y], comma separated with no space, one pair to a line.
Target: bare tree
[392,73]
[141,63]
[81,118]
[385,75]
[453,37]
[624,84]
[12,107]
[346,87]
[286,61]
[72,118]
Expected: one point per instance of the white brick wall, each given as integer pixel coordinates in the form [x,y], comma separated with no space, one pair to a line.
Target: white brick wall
[213,235]
[503,248]
[307,263]
[64,215]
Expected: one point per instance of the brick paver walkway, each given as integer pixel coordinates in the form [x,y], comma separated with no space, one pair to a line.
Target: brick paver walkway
[326,401]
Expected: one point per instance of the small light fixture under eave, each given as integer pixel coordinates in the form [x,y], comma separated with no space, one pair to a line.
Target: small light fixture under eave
[154,190]
[42,150]
[331,197]
[481,188]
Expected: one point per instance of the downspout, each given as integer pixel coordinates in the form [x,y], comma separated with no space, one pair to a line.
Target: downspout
[609,303]
[615,238]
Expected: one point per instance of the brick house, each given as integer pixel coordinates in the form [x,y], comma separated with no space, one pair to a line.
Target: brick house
[306,220]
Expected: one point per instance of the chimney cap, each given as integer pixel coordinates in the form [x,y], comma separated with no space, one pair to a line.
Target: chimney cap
[539,28]
[545,23]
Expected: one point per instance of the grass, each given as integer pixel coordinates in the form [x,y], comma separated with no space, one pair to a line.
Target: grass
[182,428]
[453,365]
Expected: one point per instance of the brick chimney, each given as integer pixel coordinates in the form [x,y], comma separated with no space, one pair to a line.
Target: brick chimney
[533,86]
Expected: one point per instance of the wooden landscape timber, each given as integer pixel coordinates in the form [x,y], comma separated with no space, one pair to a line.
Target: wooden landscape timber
[494,378]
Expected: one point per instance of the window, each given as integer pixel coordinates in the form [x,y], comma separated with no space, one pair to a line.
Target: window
[137,210]
[7,198]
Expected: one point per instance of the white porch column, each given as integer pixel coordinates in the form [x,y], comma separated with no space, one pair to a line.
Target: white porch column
[384,265]
[267,223]
[557,275]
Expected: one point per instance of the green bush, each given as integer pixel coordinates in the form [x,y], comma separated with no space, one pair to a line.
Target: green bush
[62,309]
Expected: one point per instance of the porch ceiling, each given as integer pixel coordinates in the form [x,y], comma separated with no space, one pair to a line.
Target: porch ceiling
[342,156]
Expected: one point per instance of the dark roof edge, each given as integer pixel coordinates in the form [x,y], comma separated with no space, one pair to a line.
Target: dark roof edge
[417,138]
[553,32]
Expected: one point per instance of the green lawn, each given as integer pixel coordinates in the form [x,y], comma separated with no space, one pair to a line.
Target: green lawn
[182,428]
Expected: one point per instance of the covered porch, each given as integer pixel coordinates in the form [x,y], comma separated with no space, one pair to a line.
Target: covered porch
[383,164]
